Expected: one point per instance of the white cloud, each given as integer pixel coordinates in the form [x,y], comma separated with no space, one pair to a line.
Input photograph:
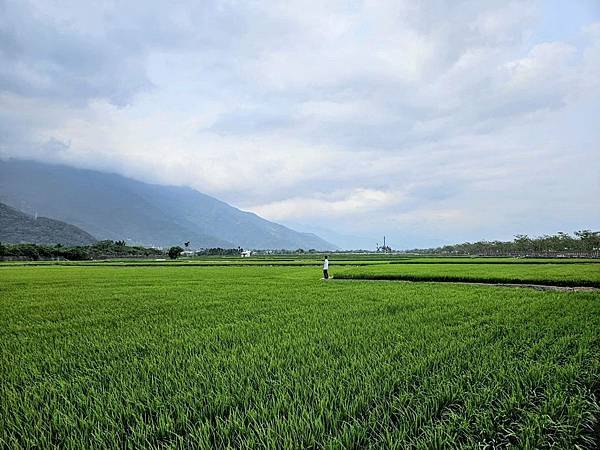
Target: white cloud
[546,68]
[358,201]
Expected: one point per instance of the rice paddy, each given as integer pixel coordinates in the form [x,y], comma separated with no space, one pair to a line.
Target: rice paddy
[273,357]
[543,274]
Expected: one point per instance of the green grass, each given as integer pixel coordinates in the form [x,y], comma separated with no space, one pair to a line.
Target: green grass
[492,260]
[552,274]
[273,357]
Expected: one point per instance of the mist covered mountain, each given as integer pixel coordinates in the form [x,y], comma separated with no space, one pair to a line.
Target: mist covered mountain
[110,206]
[17,227]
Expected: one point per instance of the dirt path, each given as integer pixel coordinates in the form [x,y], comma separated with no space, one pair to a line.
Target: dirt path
[539,287]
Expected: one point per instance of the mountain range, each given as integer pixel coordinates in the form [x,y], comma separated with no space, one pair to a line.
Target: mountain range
[110,206]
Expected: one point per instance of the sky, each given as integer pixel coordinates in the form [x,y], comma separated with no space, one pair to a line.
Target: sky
[428,122]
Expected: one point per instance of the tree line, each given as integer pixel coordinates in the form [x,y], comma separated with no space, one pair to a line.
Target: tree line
[99,250]
[106,249]
[581,243]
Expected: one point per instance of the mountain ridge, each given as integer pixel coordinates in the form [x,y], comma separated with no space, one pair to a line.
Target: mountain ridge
[17,227]
[111,206]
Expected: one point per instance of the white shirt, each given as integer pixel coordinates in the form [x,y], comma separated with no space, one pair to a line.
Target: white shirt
[326,264]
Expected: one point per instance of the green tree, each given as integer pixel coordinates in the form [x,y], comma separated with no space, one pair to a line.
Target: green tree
[76,254]
[29,251]
[522,242]
[174,252]
[589,240]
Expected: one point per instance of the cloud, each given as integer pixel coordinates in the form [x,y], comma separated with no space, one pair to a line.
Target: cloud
[445,119]
[359,201]
[43,56]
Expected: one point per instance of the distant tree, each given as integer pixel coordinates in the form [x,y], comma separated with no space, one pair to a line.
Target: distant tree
[174,252]
[76,254]
[584,242]
[589,240]
[2,250]
[218,251]
[29,251]
[522,242]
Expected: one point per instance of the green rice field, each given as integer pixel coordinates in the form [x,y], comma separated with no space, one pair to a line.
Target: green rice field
[185,355]
[550,274]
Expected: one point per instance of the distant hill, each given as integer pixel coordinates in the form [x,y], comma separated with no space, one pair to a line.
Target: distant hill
[17,227]
[110,206]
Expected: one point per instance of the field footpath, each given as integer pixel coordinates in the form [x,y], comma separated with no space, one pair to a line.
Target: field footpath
[539,287]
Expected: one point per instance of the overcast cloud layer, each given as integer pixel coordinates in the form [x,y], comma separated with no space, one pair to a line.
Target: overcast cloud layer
[431,122]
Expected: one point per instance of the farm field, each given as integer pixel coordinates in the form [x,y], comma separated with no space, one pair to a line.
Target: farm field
[191,262]
[552,274]
[308,260]
[258,356]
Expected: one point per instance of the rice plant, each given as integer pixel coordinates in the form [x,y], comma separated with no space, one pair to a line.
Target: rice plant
[273,357]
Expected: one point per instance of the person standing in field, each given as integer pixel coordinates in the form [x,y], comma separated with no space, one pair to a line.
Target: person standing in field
[326,268]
